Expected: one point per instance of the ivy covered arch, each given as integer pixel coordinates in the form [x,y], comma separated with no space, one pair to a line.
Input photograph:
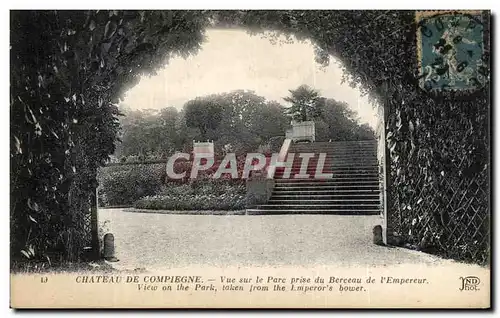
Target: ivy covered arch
[70,68]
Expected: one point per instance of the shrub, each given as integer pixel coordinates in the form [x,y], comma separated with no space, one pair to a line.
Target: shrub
[125,184]
[192,202]
[204,194]
[122,185]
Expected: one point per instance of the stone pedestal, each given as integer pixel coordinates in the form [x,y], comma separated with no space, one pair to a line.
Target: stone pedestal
[259,190]
[302,131]
[205,149]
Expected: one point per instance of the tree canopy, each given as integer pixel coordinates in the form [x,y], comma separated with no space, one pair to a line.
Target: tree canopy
[305,103]
[204,114]
[240,120]
[337,122]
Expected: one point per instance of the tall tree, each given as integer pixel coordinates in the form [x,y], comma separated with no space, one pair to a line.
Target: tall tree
[204,114]
[339,122]
[249,120]
[306,103]
[148,133]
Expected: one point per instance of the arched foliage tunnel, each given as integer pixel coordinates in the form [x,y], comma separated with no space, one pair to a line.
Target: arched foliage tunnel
[69,69]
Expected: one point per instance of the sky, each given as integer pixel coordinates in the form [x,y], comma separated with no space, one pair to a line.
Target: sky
[231,60]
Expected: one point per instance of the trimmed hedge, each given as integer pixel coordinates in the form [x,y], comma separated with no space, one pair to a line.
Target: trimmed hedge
[144,187]
[123,185]
[205,194]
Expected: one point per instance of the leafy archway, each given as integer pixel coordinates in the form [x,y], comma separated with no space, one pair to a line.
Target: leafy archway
[69,68]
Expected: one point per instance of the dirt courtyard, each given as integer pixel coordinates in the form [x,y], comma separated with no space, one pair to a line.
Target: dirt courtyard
[159,241]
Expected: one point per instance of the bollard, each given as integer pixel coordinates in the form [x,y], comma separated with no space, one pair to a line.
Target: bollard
[377,235]
[109,248]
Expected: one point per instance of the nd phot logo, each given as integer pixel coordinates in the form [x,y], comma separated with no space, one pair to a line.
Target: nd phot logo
[470,283]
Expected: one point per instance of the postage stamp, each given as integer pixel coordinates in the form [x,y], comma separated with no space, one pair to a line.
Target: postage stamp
[249,159]
[450,48]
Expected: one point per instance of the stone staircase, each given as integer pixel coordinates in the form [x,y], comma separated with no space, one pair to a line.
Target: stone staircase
[353,188]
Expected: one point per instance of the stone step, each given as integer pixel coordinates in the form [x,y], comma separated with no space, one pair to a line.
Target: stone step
[308,187]
[323,206]
[330,170]
[360,159]
[355,169]
[354,175]
[360,176]
[366,198]
[333,148]
[308,168]
[300,192]
[311,211]
[320,178]
[352,162]
[341,141]
[332,145]
[356,190]
[353,201]
[312,173]
[325,190]
[313,183]
[328,181]
[354,187]
[331,182]
[336,147]
[348,172]
[282,180]
[319,196]
[331,156]
[322,201]
[336,143]
[313,165]
[333,151]
[331,165]
[334,176]
[359,156]
[339,156]
[324,170]
[331,189]
[320,206]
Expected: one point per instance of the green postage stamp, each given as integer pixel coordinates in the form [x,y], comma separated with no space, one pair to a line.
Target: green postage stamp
[451,50]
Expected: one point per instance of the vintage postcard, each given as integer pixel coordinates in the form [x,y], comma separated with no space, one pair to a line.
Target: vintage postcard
[250,159]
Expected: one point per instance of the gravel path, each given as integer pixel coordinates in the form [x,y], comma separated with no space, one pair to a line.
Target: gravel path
[154,241]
